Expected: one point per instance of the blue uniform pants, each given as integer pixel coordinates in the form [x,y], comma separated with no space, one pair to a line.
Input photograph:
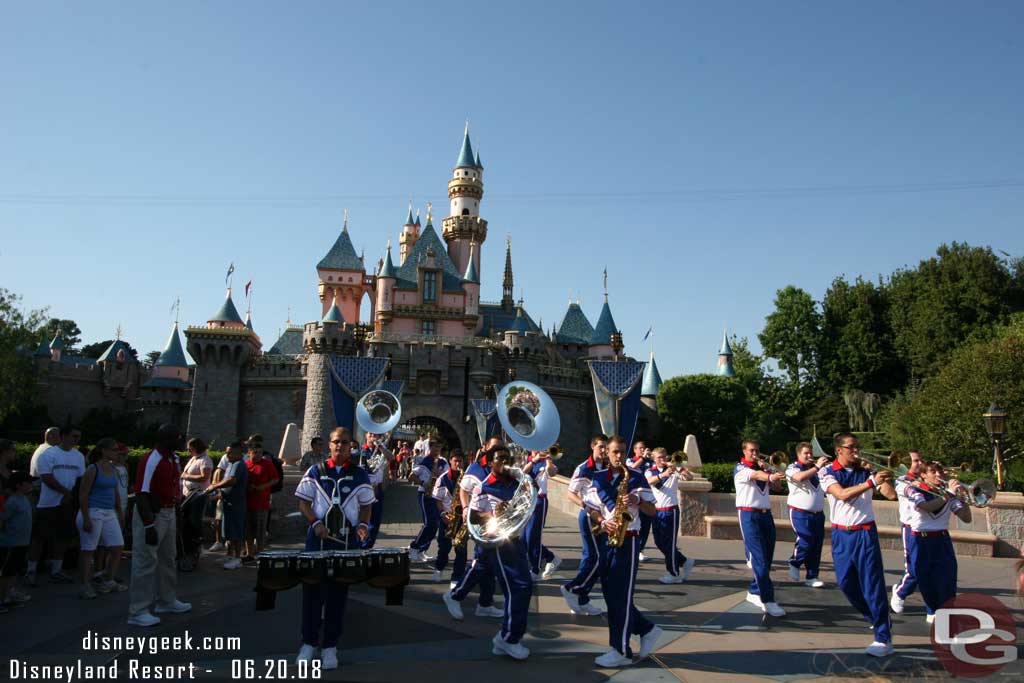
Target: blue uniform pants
[444,546]
[933,561]
[758,529]
[376,517]
[908,584]
[590,561]
[535,549]
[859,572]
[618,578]
[509,564]
[323,604]
[809,528]
[480,571]
[431,521]
[666,531]
[646,522]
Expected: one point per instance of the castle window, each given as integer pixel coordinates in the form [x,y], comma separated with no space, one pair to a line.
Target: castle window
[428,327]
[465,212]
[429,287]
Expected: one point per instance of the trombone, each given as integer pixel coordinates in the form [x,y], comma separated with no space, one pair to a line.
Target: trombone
[896,462]
[776,462]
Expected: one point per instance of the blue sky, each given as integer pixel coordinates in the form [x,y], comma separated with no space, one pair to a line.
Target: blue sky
[707,153]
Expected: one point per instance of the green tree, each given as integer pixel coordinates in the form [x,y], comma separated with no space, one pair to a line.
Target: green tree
[96,349]
[19,337]
[712,408]
[68,331]
[767,420]
[792,335]
[151,359]
[957,295]
[857,341]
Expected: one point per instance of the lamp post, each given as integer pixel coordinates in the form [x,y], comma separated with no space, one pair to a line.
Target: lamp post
[995,423]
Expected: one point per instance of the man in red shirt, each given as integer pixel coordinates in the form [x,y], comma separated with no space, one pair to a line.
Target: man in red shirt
[262,477]
[154,532]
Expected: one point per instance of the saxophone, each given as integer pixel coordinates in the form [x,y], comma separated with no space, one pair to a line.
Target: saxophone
[455,530]
[621,513]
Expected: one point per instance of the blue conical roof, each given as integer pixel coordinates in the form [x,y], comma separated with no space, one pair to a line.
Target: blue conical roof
[478,164]
[248,321]
[43,351]
[466,153]
[57,342]
[652,379]
[173,355]
[520,324]
[418,218]
[333,314]
[726,350]
[605,327]
[409,219]
[342,255]
[471,274]
[111,353]
[227,313]
[574,328]
[388,269]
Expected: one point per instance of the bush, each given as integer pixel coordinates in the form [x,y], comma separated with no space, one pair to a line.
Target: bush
[720,475]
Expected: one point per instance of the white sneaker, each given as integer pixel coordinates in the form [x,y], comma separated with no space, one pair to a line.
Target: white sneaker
[571,599]
[176,607]
[534,577]
[649,641]
[513,650]
[613,659]
[669,579]
[143,619]
[306,654]
[688,567]
[929,618]
[329,658]
[551,567]
[877,649]
[454,608]
[749,564]
[773,609]
[427,558]
[491,611]
[589,610]
[232,563]
[814,583]
[755,600]
[794,573]
[217,547]
[436,576]
[641,558]
[896,603]
[415,555]
[453,585]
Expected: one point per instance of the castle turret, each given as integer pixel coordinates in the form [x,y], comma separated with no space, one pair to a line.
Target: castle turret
[226,315]
[171,368]
[342,277]
[652,380]
[386,278]
[410,233]
[471,285]
[464,227]
[56,348]
[507,302]
[725,358]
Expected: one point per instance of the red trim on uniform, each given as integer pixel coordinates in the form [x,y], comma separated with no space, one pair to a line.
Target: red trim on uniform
[590,462]
[836,466]
[542,495]
[632,533]
[926,534]
[856,527]
[491,479]
[748,463]
[754,509]
[670,507]
[793,507]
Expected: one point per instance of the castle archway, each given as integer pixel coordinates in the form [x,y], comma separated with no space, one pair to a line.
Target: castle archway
[435,426]
[442,414]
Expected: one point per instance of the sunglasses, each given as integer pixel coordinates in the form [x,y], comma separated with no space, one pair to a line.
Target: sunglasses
[340,442]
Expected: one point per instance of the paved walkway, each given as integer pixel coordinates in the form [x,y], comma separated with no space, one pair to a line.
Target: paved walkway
[711,633]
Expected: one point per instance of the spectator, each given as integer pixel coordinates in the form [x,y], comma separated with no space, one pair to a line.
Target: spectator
[8,451]
[314,456]
[262,478]
[15,535]
[218,505]
[59,467]
[231,490]
[50,438]
[154,573]
[102,558]
[99,517]
[198,472]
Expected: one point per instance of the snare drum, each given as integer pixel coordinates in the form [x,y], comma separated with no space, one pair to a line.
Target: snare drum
[346,566]
[311,566]
[276,570]
[388,567]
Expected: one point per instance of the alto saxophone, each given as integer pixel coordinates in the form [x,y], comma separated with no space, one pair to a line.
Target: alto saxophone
[455,530]
[621,514]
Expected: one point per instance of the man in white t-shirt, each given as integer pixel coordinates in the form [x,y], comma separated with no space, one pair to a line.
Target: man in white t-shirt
[59,468]
[50,438]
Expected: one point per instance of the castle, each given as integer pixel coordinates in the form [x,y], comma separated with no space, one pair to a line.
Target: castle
[444,345]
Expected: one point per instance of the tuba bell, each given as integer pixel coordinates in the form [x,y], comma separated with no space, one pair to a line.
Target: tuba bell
[378,412]
[531,423]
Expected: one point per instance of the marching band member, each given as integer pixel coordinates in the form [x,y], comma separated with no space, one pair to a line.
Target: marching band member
[855,551]
[508,560]
[479,570]
[619,564]
[577,591]
[930,553]
[325,601]
[753,487]
[641,462]
[444,496]
[424,476]
[663,479]
[539,469]
[376,443]
[806,502]
[907,584]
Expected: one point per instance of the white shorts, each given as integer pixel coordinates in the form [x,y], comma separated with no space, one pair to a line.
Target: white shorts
[106,530]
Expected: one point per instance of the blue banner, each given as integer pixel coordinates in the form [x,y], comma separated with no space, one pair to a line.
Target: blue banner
[353,376]
[617,395]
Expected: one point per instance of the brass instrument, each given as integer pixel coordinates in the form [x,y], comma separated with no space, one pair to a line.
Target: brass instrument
[896,462]
[679,460]
[455,530]
[621,514]
[776,462]
[555,452]
[378,412]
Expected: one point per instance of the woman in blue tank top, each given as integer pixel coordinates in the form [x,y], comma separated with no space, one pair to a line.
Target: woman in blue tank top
[99,518]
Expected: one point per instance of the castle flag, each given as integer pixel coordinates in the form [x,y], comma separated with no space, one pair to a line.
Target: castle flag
[651,329]
[227,277]
[248,286]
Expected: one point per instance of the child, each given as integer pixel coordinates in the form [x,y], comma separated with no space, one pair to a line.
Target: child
[15,535]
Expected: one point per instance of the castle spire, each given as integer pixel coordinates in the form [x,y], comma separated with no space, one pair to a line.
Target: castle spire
[725,357]
[507,302]
[471,274]
[466,159]
[409,219]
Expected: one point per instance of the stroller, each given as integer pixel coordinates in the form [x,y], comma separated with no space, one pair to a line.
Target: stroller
[190,530]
